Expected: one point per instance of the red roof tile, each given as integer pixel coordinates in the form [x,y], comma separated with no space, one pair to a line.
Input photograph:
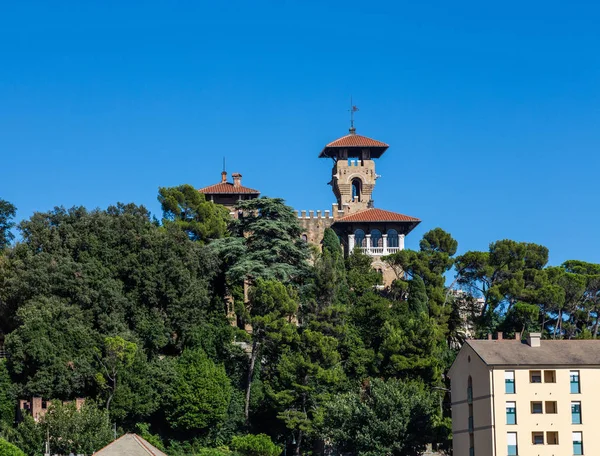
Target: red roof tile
[354,143]
[227,188]
[377,215]
[354,140]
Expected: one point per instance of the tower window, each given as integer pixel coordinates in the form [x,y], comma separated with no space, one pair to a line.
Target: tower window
[356,188]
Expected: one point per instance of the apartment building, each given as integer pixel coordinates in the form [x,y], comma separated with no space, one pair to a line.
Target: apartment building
[526,398]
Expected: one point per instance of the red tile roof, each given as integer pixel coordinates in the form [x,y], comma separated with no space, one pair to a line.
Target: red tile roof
[377,215]
[227,188]
[354,140]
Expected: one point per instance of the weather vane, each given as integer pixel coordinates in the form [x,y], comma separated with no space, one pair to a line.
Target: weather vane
[352,110]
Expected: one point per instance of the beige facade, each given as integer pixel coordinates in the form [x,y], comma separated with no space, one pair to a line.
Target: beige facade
[538,398]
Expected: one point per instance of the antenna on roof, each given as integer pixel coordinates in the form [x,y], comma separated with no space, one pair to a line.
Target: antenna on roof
[352,110]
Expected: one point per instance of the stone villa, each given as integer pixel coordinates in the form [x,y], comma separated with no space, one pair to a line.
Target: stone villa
[353,217]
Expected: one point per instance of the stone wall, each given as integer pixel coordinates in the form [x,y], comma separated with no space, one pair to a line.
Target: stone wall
[314,223]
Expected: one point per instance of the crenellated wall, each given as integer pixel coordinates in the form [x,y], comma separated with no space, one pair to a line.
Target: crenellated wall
[314,224]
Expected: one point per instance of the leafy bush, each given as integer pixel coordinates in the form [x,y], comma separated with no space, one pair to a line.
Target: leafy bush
[214,452]
[255,445]
[8,449]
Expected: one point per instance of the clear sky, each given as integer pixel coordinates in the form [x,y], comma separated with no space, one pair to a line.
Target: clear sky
[491,109]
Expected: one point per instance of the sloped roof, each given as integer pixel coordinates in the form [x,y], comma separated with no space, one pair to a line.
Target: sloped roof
[550,352]
[351,141]
[228,188]
[354,140]
[129,445]
[377,215]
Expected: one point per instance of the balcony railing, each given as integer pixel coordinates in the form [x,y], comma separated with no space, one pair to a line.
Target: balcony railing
[379,251]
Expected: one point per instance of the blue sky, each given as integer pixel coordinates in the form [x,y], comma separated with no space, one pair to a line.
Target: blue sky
[491,110]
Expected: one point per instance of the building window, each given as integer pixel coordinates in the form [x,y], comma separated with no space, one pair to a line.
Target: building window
[576,412]
[511,440]
[550,376]
[470,390]
[535,376]
[511,413]
[471,445]
[376,239]
[509,382]
[392,236]
[356,187]
[305,238]
[577,443]
[575,389]
[537,438]
[551,407]
[552,438]
[536,407]
[359,238]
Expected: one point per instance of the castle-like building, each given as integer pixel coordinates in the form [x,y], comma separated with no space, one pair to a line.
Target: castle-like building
[353,217]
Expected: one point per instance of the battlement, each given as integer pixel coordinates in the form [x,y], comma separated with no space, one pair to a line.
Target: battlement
[326,215]
[314,223]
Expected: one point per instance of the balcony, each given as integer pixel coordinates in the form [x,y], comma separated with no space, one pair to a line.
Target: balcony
[376,246]
[378,251]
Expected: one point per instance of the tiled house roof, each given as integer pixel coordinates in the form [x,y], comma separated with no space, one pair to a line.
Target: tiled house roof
[130,445]
[228,188]
[550,352]
[377,215]
[356,141]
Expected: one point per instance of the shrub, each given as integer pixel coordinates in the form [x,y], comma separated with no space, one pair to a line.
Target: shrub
[8,449]
[255,445]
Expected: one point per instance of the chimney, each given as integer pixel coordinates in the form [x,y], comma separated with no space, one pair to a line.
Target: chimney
[237,179]
[534,339]
[518,336]
[489,336]
[224,177]
[499,335]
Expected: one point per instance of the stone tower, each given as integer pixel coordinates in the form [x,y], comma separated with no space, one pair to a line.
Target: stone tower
[353,174]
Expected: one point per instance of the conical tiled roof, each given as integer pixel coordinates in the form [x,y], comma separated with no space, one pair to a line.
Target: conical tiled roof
[129,445]
[353,142]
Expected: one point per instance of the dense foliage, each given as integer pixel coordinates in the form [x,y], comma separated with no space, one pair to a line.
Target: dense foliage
[212,336]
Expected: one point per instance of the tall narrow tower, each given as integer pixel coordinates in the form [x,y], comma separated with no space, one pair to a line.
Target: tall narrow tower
[353,172]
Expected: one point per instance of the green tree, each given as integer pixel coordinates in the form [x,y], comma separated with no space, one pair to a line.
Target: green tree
[200,395]
[28,435]
[499,275]
[272,308]
[266,243]
[117,356]
[83,431]
[7,213]
[8,449]
[255,445]
[417,296]
[392,417]
[52,351]
[186,208]
[7,396]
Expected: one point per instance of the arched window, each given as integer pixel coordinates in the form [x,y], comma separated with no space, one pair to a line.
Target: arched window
[376,239]
[305,238]
[359,238]
[392,238]
[356,188]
